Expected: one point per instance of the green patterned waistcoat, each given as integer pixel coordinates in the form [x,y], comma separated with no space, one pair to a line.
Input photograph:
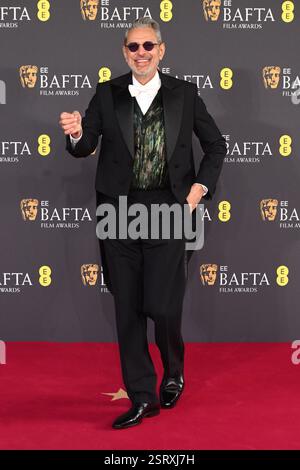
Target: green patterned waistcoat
[150,170]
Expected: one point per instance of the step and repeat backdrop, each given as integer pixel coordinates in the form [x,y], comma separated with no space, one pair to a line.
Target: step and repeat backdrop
[244,284]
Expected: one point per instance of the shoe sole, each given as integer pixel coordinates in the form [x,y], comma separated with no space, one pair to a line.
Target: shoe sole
[151,413]
[163,405]
[166,407]
[171,405]
[146,415]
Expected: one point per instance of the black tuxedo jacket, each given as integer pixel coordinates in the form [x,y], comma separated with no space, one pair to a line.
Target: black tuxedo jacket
[110,115]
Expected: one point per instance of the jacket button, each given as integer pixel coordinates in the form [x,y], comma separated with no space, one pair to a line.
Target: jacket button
[176,166]
[115,161]
[174,185]
[183,145]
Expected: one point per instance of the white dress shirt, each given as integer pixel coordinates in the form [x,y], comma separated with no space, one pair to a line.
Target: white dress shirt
[144,94]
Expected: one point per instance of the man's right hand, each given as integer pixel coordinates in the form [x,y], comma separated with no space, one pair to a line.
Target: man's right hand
[71,124]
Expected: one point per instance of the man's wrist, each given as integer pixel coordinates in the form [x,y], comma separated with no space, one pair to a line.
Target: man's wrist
[74,140]
[205,189]
[77,135]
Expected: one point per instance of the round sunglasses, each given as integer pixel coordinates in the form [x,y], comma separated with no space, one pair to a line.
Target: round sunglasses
[148,46]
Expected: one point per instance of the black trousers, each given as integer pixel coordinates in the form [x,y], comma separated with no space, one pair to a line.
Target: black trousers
[148,279]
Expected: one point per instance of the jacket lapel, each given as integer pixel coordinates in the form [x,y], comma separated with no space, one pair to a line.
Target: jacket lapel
[123,104]
[172,97]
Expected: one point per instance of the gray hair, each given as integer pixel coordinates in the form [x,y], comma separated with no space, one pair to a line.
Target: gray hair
[145,22]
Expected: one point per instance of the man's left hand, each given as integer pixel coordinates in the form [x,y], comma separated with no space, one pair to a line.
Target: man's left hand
[194,196]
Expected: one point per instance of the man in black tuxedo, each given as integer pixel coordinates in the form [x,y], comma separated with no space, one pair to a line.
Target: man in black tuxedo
[146,120]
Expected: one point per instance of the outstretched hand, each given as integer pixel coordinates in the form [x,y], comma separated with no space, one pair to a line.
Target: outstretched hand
[71,123]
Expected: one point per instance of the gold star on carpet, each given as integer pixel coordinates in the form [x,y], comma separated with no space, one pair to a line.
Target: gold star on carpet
[117,395]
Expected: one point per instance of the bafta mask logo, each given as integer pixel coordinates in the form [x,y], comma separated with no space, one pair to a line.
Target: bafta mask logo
[28,75]
[211,9]
[271,76]
[89,274]
[268,209]
[89,9]
[29,208]
[208,274]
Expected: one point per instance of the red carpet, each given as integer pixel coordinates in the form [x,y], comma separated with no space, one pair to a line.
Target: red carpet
[237,396]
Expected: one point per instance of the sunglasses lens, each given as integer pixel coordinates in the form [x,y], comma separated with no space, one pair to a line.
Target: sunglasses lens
[133,46]
[148,46]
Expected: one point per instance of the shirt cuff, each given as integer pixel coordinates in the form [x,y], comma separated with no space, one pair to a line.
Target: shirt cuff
[74,141]
[205,189]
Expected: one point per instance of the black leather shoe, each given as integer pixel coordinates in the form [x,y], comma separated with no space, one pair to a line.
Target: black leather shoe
[135,415]
[170,390]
